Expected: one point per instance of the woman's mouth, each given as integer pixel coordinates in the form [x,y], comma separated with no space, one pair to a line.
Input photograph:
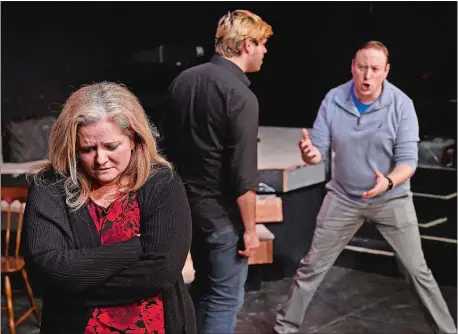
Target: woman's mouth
[101,170]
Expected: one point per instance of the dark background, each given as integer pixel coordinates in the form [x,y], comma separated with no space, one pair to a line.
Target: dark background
[49,49]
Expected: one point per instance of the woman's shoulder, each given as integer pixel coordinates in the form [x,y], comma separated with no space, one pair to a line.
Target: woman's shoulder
[46,177]
[47,181]
[162,180]
[162,177]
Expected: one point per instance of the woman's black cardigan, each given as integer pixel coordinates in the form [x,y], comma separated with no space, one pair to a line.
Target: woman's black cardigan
[63,250]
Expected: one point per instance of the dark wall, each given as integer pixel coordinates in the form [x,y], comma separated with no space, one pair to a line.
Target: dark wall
[49,49]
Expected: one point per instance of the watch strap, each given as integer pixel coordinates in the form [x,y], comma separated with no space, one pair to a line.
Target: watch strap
[390,183]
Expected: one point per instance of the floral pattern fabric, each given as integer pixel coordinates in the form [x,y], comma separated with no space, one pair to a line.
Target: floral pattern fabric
[119,222]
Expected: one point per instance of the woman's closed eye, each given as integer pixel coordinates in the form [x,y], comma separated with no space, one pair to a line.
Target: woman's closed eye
[86,149]
[112,147]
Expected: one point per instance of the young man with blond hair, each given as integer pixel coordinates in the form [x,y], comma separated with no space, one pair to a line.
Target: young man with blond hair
[210,133]
[373,129]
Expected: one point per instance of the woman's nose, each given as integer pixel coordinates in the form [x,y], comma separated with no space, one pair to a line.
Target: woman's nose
[101,158]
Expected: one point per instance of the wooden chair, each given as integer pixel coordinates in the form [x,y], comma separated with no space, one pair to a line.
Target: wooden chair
[15,193]
[11,265]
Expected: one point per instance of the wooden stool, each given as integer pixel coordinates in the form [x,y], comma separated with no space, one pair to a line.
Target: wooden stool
[264,254]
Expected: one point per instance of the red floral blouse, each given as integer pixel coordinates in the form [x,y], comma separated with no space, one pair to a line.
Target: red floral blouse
[119,222]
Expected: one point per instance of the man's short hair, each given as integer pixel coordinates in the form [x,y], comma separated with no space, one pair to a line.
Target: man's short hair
[375,45]
[236,27]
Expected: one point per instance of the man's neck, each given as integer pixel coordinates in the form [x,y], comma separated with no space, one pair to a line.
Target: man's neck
[237,61]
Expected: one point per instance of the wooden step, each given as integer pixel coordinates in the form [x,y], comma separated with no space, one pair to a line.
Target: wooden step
[434,182]
[269,209]
[264,254]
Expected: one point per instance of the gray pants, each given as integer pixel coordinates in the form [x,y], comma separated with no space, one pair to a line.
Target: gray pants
[338,220]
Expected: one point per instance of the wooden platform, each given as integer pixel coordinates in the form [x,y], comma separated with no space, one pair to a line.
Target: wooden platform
[16,169]
[279,162]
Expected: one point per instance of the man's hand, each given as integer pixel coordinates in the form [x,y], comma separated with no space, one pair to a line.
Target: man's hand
[308,151]
[251,241]
[381,185]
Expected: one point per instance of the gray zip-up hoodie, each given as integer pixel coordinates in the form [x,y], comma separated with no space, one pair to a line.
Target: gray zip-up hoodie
[383,137]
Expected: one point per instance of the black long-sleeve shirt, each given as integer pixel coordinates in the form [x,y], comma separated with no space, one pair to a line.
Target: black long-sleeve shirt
[63,249]
[210,132]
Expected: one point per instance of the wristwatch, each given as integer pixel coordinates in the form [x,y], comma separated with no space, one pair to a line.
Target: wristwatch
[390,183]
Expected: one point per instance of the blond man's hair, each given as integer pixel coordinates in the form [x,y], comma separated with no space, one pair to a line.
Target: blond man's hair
[236,27]
[375,45]
[89,105]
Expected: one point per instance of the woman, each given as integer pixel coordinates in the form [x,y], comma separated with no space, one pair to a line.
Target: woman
[107,226]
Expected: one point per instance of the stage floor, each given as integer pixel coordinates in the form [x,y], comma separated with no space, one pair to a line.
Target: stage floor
[348,301]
